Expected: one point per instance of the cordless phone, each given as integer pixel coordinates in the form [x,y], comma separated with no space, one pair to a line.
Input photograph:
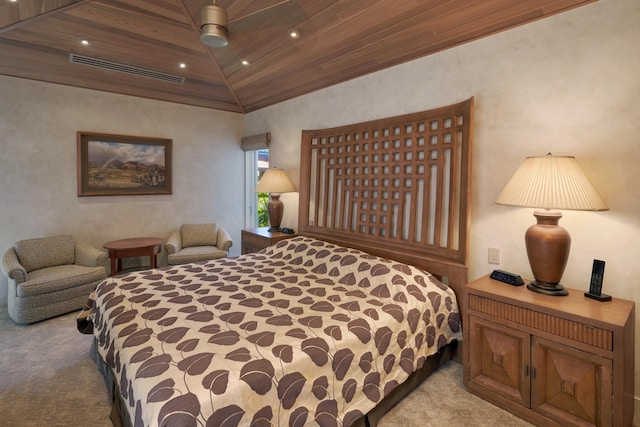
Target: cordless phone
[595,287]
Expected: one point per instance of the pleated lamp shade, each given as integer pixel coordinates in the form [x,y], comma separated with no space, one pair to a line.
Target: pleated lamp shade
[275,181]
[549,182]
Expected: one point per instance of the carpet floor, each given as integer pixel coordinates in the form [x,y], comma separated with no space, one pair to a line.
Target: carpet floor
[48,379]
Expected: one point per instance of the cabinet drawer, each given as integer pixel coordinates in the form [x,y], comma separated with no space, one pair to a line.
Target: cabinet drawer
[255,241]
[576,331]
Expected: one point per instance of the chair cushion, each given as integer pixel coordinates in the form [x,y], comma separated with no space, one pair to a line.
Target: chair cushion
[44,252]
[195,254]
[59,277]
[198,235]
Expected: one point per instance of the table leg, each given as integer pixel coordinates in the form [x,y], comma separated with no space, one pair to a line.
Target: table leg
[113,265]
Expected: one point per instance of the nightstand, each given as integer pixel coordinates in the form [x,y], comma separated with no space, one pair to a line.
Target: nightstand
[552,360]
[256,239]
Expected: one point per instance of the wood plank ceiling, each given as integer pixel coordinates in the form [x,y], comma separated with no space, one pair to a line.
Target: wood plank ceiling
[340,40]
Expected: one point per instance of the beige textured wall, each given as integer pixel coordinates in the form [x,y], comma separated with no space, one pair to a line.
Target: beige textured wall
[568,85]
[38,124]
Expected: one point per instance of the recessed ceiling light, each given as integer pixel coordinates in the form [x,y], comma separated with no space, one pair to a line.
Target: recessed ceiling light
[84,41]
[294,34]
[245,62]
[182,65]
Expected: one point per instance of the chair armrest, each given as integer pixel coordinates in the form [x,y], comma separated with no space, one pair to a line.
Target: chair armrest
[11,266]
[224,240]
[174,243]
[89,256]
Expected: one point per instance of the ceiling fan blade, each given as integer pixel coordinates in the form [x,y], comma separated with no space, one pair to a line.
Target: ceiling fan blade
[239,10]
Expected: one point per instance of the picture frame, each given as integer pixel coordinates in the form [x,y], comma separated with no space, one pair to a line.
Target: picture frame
[123,165]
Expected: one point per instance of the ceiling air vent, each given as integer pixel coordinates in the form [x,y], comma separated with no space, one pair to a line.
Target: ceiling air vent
[122,68]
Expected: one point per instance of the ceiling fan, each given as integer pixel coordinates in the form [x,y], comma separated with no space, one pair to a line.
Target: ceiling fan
[214,30]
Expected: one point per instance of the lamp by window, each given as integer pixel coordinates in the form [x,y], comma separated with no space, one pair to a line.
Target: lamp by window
[549,182]
[275,181]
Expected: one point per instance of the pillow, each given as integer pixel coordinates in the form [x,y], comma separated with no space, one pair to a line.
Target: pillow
[35,254]
[199,235]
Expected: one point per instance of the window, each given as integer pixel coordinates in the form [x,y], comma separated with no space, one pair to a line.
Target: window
[256,149]
[257,161]
[262,164]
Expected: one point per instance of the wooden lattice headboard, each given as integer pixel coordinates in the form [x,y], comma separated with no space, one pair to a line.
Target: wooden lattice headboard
[396,187]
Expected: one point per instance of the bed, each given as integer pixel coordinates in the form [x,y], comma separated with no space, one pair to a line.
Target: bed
[330,328]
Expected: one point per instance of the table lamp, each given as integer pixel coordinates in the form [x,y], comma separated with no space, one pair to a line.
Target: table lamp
[549,182]
[275,181]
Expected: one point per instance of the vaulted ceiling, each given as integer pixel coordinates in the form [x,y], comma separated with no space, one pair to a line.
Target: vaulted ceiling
[142,43]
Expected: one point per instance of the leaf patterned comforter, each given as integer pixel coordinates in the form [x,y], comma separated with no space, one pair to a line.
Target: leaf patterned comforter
[301,333]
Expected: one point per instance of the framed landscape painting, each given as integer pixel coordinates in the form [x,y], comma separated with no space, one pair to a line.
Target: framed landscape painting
[117,165]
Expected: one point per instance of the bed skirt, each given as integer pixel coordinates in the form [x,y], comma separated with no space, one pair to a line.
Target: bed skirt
[120,417]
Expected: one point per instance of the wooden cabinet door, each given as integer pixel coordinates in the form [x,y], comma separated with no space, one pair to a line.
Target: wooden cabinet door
[499,360]
[571,387]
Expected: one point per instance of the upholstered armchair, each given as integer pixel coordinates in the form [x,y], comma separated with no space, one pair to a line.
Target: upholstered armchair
[197,242]
[51,276]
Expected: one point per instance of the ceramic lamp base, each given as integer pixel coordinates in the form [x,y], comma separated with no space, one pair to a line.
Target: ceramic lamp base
[548,247]
[552,289]
[275,209]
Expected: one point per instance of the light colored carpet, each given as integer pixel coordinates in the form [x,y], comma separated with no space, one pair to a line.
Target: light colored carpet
[48,379]
[442,400]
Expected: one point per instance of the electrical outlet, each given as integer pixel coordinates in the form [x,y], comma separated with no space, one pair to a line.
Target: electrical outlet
[494,256]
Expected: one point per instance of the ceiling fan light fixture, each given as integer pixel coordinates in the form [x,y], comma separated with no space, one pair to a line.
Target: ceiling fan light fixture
[213,27]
